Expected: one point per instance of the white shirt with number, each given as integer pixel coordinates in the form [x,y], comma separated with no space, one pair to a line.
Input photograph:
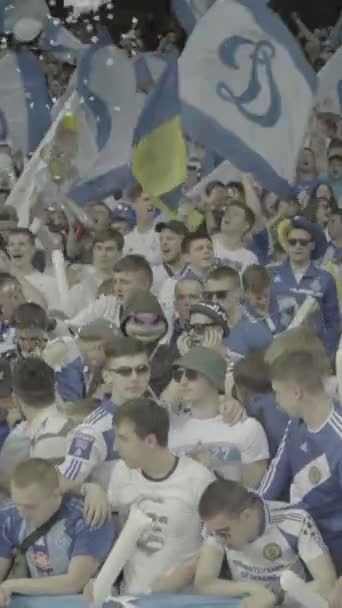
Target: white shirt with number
[172,504]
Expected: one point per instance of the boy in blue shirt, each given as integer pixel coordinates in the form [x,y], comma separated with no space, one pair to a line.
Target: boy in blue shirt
[66,556]
[309,459]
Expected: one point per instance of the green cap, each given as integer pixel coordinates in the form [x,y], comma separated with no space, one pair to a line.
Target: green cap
[206,362]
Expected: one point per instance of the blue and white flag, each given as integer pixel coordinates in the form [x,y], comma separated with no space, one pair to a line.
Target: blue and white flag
[107,89]
[24,101]
[149,68]
[329,96]
[247,90]
[61,42]
[189,12]
[64,45]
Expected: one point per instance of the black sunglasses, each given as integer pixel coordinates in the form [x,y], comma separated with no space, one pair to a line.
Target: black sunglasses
[125,372]
[199,328]
[221,294]
[190,374]
[302,242]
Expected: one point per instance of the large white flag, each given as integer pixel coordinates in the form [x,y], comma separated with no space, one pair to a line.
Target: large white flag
[329,95]
[247,90]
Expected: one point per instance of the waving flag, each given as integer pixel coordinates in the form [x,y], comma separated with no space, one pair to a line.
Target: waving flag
[159,157]
[247,90]
[329,95]
[24,101]
[149,67]
[188,12]
[107,88]
[63,44]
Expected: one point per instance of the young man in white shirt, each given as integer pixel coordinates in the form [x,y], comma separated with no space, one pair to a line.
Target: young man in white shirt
[143,240]
[107,251]
[261,540]
[238,220]
[20,248]
[171,236]
[203,434]
[130,273]
[166,487]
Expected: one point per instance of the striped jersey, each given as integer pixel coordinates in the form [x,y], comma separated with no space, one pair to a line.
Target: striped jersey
[309,463]
[68,538]
[90,452]
[289,538]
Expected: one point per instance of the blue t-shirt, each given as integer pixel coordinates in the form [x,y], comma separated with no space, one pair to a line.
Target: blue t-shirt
[69,537]
[310,464]
[274,421]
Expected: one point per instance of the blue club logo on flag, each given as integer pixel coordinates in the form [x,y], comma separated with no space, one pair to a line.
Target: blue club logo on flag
[262,54]
[247,91]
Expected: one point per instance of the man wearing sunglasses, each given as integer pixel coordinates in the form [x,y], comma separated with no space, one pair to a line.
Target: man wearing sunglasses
[91,450]
[236,452]
[223,287]
[299,278]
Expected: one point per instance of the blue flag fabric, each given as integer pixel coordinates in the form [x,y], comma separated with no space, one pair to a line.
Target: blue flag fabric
[64,45]
[329,94]
[24,101]
[111,113]
[159,156]
[247,90]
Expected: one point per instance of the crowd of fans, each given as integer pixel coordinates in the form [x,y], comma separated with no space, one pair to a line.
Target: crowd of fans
[190,367]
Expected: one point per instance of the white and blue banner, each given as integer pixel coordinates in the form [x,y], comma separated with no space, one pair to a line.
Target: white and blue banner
[329,96]
[247,90]
[149,67]
[225,172]
[61,42]
[111,111]
[64,45]
[24,101]
[189,12]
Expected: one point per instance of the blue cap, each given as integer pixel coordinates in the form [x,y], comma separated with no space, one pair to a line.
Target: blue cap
[316,234]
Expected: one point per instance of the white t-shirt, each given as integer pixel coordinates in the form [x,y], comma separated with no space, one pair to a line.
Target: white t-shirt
[47,285]
[239,259]
[144,243]
[176,528]
[290,535]
[221,440]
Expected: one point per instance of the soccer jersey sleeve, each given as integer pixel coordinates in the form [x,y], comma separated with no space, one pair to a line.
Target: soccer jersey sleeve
[93,542]
[86,451]
[278,477]
[310,542]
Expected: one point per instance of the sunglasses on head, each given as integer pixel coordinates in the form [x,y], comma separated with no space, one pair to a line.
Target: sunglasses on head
[125,372]
[199,328]
[189,374]
[302,242]
[220,294]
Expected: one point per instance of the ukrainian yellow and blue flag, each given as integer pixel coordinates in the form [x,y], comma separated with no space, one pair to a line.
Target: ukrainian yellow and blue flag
[159,156]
